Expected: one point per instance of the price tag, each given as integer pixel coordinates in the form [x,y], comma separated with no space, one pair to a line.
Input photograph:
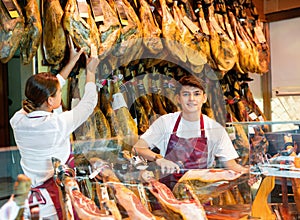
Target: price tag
[215,25]
[94,51]
[83,8]
[231,132]
[122,13]
[203,26]
[97,11]
[104,193]
[229,30]
[11,8]
[253,116]
[260,118]
[221,21]
[190,25]
[259,34]
[118,101]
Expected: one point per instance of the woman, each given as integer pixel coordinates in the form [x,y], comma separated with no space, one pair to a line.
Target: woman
[41,134]
[187,139]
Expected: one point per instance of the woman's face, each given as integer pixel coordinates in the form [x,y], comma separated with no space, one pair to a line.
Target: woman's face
[191,99]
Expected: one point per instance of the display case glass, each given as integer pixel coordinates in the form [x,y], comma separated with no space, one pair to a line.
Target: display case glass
[118,181]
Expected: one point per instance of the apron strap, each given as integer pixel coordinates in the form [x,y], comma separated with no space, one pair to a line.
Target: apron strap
[176,124]
[202,126]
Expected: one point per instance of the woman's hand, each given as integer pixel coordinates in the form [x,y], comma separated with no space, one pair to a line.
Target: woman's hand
[92,64]
[167,166]
[73,58]
[74,54]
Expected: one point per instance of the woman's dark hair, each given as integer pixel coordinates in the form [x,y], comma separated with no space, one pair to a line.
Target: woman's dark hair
[38,89]
[190,80]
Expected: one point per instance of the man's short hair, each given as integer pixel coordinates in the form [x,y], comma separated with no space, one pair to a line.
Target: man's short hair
[190,80]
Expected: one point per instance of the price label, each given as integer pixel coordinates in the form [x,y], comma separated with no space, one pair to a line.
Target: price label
[253,116]
[215,25]
[11,8]
[190,25]
[203,25]
[83,8]
[118,101]
[261,118]
[259,34]
[231,132]
[97,11]
[229,30]
[122,13]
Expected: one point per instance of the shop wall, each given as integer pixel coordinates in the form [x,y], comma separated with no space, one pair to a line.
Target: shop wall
[285,67]
[17,76]
[285,47]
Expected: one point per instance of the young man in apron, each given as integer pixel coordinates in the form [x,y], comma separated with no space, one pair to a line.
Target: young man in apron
[187,139]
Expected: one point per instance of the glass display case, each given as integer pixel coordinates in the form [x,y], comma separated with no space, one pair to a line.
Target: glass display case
[110,178]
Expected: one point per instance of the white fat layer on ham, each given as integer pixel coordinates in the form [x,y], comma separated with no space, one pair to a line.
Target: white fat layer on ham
[210,175]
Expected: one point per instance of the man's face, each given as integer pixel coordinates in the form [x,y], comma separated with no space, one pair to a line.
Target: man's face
[191,99]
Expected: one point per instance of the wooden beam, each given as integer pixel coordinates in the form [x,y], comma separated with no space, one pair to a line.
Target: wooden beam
[282,15]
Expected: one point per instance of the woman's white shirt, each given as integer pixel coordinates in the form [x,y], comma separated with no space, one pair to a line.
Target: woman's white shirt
[42,135]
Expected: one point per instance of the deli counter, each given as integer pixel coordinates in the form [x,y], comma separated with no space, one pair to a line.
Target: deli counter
[112,182]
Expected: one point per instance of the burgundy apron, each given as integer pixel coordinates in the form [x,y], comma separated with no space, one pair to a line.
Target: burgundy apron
[190,153]
[53,191]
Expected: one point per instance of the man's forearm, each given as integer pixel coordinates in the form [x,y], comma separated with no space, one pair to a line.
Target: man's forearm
[233,165]
[141,148]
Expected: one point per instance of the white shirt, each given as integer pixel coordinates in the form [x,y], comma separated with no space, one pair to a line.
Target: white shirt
[218,141]
[41,135]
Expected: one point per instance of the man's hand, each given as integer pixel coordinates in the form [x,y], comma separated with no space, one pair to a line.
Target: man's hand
[167,166]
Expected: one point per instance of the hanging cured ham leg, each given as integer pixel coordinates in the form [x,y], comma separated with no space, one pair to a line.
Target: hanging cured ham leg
[10,32]
[171,34]
[186,209]
[77,28]
[54,37]
[151,31]
[110,30]
[32,33]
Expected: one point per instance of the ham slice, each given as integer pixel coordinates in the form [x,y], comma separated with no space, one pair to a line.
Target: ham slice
[187,209]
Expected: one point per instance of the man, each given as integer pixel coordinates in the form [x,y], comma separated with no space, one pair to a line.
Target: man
[187,139]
